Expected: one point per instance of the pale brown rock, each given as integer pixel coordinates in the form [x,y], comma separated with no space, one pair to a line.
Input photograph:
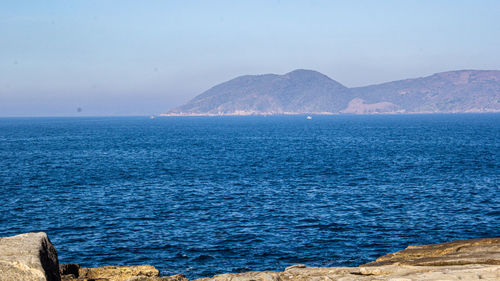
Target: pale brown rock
[475,259]
[32,257]
[246,276]
[177,277]
[376,273]
[460,252]
[28,257]
[116,273]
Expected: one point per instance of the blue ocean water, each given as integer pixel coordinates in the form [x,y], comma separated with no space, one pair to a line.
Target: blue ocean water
[209,195]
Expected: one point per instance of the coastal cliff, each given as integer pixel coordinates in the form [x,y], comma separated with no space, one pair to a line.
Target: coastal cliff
[31,256]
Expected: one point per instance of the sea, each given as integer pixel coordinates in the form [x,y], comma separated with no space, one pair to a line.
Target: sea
[210,195]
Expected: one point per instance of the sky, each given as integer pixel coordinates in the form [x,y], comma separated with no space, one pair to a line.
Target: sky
[124,57]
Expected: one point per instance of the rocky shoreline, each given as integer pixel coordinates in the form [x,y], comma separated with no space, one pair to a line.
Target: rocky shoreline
[32,257]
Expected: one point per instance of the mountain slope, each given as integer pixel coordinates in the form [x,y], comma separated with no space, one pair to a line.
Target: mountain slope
[307,92]
[299,91]
[453,91]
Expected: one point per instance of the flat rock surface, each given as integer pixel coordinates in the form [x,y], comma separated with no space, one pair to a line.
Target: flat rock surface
[388,272]
[28,257]
[73,272]
[119,273]
[474,259]
[460,252]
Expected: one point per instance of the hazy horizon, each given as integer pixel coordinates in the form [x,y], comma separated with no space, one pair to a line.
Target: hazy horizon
[130,58]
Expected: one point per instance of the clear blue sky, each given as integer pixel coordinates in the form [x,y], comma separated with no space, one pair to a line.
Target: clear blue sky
[144,57]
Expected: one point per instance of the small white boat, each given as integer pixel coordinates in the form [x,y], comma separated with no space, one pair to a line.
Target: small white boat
[309,118]
[152,117]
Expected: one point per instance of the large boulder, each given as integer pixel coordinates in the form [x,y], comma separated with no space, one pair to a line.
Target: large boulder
[28,257]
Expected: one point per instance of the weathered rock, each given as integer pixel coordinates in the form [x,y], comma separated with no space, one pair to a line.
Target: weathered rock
[388,272]
[460,252]
[28,257]
[395,273]
[118,273]
[32,257]
[475,259]
[177,277]
[73,272]
[246,276]
[69,269]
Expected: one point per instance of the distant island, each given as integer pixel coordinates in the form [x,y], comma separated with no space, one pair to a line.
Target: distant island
[310,92]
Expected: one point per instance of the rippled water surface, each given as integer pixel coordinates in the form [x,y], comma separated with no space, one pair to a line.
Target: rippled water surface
[202,196]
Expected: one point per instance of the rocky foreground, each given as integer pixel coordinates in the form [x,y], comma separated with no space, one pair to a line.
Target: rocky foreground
[32,257]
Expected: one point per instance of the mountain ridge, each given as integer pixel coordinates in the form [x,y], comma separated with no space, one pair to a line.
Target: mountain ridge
[304,91]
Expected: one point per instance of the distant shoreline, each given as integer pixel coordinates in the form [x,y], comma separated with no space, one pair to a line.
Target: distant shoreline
[319,113]
[259,114]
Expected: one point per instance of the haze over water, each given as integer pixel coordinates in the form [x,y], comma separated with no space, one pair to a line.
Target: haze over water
[123,57]
[205,195]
